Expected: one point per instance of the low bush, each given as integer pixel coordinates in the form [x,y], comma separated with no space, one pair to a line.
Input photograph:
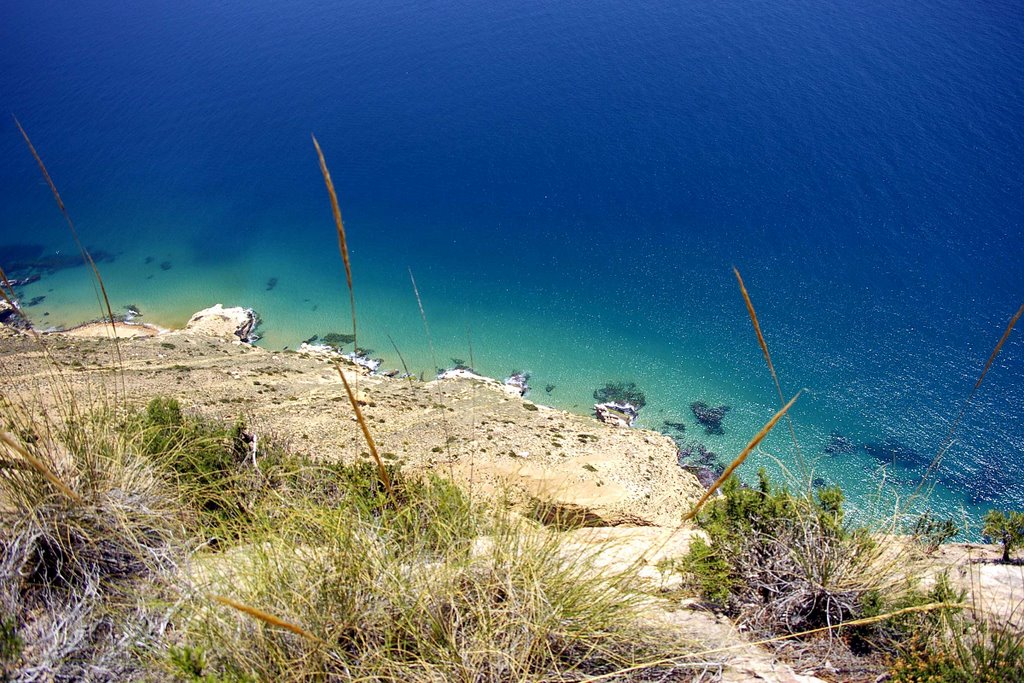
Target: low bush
[779,562]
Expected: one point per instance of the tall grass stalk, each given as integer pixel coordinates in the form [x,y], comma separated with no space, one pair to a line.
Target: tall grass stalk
[265,617]
[342,242]
[947,442]
[381,469]
[101,295]
[433,359]
[771,368]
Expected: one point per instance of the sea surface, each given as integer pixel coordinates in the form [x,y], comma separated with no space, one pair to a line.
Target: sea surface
[571,184]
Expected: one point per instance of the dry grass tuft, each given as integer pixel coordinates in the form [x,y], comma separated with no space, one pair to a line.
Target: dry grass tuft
[82,573]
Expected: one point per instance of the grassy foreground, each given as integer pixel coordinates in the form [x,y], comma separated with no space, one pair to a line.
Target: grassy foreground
[154,545]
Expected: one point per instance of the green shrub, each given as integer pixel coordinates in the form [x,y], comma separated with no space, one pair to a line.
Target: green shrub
[1006,528]
[895,633]
[706,571]
[203,458]
[10,644]
[931,532]
[971,652]
[780,562]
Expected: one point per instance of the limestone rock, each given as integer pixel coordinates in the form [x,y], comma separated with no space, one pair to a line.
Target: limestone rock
[218,321]
[616,414]
[518,382]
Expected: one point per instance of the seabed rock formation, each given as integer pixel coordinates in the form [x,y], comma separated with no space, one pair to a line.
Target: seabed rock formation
[709,416]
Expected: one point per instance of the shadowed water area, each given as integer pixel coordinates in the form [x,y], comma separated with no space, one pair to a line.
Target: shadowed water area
[571,184]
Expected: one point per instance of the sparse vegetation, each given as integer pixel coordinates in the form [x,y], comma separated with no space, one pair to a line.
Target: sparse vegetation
[931,532]
[783,563]
[408,583]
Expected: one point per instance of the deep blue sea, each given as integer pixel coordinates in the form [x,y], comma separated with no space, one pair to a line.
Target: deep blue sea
[571,183]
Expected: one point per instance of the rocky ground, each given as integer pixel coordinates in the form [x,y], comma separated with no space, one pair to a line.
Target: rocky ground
[622,485]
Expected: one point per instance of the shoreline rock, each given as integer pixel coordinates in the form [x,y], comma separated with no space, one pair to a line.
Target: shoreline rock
[519,381]
[218,321]
[616,414]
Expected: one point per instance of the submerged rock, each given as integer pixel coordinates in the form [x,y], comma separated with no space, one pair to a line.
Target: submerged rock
[709,416]
[218,321]
[893,452]
[676,426]
[519,382]
[21,282]
[622,393]
[705,475]
[617,414]
[696,454]
[336,340]
[839,444]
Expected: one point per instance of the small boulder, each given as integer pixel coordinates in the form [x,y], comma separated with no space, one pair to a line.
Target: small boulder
[518,381]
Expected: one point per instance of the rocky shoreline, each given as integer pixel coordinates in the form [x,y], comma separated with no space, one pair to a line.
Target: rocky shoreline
[624,486]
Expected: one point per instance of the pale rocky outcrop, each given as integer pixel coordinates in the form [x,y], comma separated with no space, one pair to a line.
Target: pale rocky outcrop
[616,414]
[218,321]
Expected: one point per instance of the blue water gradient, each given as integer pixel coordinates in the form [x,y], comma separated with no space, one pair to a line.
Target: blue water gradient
[571,183]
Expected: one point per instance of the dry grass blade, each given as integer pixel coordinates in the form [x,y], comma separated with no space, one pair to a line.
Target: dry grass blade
[423,316]
[40,467]
[381,470]
[866,621]
[995,351]
[342,242]
[86,256]
[771,366]
[740,458]
[401,358]
[948,441]
[265,617]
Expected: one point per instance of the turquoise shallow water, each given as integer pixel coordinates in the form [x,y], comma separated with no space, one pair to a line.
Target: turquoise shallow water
[571,185]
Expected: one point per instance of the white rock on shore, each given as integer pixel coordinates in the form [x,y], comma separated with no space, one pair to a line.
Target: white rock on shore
[218,321]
